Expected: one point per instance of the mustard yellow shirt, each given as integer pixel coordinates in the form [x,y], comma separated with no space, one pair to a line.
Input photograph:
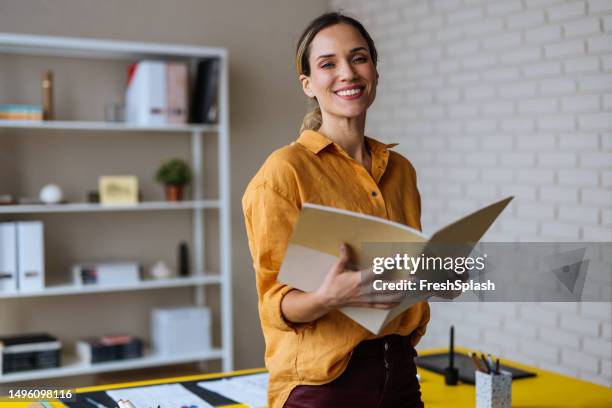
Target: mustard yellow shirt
[314,169]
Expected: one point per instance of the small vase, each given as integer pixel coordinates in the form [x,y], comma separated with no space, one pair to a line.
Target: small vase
[174,193]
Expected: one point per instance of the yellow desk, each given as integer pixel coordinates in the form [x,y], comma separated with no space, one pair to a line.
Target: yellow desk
[546,390]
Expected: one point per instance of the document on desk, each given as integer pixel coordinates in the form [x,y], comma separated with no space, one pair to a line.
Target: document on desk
[251,390]
[164,396]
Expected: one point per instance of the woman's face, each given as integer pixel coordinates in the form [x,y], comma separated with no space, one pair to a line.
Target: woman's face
[343,77]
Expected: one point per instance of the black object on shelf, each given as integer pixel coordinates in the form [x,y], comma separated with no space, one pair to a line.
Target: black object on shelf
[29,352]
[183,259]
[93,197]
[109,348]
[204,102]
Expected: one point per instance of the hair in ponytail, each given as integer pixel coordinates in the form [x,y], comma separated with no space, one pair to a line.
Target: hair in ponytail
[313,119]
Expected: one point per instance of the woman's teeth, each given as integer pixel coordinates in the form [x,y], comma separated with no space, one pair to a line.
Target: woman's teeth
[349,92]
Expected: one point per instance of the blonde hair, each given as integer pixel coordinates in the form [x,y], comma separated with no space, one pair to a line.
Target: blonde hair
[313,119]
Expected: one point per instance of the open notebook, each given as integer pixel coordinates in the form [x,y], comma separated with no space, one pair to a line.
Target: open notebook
[314,247]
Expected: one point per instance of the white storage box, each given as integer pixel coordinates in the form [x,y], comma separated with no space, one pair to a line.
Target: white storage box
[106,273]
[8,259]
[181,330]
[30,256]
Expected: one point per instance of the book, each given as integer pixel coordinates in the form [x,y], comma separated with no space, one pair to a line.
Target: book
[157,93]
[176,91]
[204,102]
[314,248]
[145,97]
[20,112]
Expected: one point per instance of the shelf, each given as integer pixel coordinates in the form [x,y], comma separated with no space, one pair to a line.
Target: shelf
[75,367]
[25,44]
[70,289]
[123,53]
[87,207]
[104,126]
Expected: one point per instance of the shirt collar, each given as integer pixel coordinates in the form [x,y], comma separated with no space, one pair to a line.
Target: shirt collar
[315,142]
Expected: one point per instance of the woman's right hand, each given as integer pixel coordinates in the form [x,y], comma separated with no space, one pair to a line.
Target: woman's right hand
[343,286]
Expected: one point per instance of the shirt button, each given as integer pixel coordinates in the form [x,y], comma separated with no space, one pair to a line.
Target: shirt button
[386,346]
[374,193]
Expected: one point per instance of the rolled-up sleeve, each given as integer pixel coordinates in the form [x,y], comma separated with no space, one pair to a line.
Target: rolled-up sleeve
[269,217]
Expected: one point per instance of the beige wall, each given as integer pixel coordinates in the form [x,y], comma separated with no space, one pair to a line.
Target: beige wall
[266,107]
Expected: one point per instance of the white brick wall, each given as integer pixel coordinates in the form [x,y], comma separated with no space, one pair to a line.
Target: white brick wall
[492,98]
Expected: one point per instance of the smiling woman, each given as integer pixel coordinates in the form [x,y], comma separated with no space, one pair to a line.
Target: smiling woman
[339,73]
[316,356]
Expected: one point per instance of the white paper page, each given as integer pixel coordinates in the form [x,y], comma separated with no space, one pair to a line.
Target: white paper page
[164,396]
[251,390]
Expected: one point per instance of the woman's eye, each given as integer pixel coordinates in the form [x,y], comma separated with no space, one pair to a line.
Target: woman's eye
[327,65]
[360,59]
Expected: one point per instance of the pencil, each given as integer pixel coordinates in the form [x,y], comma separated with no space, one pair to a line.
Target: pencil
[477,363]
[486,363]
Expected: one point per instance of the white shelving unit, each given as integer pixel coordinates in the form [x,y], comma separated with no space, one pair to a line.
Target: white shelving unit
[134,51]
[72,366]
[88,207]
[106,126]
[208,278]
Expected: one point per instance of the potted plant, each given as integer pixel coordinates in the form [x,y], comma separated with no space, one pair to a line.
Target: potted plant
[174,174]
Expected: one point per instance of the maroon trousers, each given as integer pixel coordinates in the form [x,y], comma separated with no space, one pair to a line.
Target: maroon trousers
[380,374]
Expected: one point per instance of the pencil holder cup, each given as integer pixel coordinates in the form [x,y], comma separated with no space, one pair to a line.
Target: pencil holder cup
[493,390]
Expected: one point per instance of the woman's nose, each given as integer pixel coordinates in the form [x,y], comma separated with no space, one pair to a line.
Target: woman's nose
[347,71]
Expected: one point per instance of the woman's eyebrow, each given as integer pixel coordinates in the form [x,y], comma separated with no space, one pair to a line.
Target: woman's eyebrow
[351,51]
